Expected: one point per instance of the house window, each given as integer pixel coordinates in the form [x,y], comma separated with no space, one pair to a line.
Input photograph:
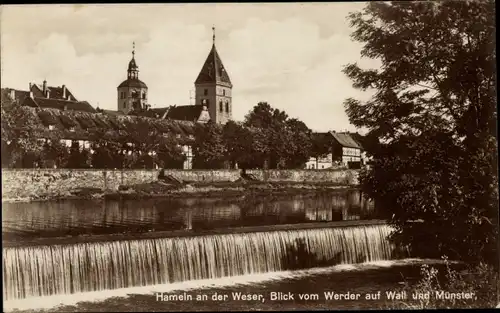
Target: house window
[220,107]
[227,106]
[178,136]
[72,129]
[51,127]
[205,92]
[124,105]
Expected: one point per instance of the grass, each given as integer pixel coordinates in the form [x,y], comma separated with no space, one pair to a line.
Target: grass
[479,281]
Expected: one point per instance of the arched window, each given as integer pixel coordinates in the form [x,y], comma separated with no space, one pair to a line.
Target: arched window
[227,106]
[221,108]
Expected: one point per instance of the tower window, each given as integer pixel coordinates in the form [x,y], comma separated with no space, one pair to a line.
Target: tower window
[144,95]
[205,92]
[221,107]
[223,92]
[227,106]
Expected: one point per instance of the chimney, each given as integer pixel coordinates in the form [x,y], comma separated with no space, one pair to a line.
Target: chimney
[48,93]
[13,94]
[30,87]
[64,91]
[44,86]
[31,94]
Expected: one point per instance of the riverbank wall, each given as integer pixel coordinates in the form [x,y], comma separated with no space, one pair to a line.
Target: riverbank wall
[36,183]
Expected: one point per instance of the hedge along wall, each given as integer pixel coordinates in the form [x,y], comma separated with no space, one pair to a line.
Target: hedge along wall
[25,183]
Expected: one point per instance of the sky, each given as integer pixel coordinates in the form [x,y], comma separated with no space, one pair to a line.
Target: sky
[287,54]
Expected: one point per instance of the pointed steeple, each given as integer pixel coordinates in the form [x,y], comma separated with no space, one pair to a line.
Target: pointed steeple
[133,69]
[213,70]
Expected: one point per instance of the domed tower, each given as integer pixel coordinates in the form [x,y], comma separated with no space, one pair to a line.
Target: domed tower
[132,93]
[214,88]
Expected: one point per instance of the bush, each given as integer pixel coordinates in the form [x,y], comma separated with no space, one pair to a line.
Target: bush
[480,279]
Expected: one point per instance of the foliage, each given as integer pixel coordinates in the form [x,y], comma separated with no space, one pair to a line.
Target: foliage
[78,157]
[282,142]
[107,154]
[239,144]
[19,147]
[320,146]
[434,112]
[300,143]
[209,150]
[54,154]
[480,280]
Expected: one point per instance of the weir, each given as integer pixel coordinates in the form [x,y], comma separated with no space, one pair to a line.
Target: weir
[36,271]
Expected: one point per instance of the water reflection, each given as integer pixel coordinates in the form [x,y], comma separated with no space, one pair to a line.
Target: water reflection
[46,219]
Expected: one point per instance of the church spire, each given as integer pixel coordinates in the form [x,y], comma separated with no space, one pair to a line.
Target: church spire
[213,70]
[133,69]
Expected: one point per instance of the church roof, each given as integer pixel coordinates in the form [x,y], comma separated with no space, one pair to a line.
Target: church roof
[133,82]
[185,112]
[132,66]
[59,104]
[213,70]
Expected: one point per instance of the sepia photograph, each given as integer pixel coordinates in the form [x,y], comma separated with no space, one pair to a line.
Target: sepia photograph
[249,156]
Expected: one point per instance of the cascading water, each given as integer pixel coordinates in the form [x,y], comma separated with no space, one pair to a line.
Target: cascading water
[66,269]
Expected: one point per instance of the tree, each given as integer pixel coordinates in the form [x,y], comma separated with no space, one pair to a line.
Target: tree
[434,113]
[144,140]
[209,149]
[170,154]
[79,157]
[283,142]
[20,148]
[54,154]
[300,143]
[320,145]
[238,141]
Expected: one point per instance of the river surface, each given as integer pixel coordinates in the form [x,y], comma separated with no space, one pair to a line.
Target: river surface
[92,217]
[274,260]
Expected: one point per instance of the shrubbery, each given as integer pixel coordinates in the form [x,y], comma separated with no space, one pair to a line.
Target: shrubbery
[480,280]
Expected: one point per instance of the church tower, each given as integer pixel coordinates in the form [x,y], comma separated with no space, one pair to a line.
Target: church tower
[213,87]
[132,93]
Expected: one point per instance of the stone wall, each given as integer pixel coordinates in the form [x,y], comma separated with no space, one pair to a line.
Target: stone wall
[29,183]
[348,177]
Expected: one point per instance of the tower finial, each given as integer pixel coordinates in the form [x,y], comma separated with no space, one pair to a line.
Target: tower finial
[133,49]
[213,36]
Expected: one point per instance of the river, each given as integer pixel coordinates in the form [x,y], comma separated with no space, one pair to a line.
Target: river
[246,243]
